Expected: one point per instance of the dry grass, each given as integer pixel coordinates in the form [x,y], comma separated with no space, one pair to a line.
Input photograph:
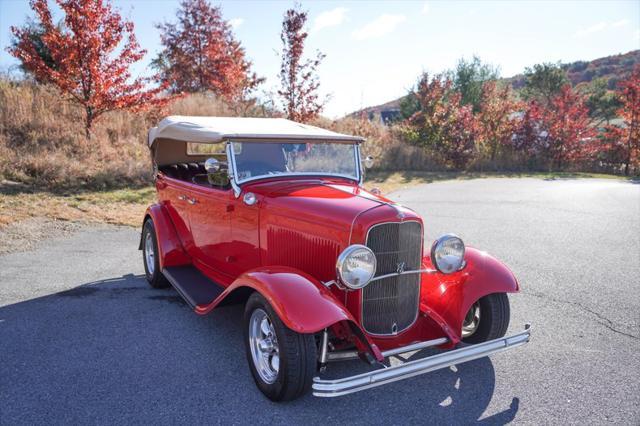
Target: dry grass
[119,206]
[383,144]
[42,140]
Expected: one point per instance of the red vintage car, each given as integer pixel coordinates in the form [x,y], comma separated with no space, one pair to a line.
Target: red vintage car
[272,213]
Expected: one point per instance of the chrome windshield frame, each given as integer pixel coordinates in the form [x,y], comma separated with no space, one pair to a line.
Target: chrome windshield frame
[237,184]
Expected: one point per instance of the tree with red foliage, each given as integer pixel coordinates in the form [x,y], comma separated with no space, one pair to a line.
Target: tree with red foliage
[566,131]
[201,54]
[441,124]
[526,136]
[87,61]
[298,78]
[625,140]
[496,125]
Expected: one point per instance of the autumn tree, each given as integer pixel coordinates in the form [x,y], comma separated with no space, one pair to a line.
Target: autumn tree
[200,53]
[409,105]
[468,78]
[565,128]
[543,82]
[603,103]
[625,140]
[34,31]
[441,124]
[496,123]
[299,81]
[527,133]
[87,61]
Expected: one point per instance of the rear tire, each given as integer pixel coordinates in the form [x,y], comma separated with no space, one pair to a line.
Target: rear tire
[151,258]
[494,318]
[290,376]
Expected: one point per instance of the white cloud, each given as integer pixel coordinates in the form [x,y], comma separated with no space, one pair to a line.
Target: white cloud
[425,8]
[590,30]
[235,22]
[383,24]
[330,18]
[600,26]
[620,23]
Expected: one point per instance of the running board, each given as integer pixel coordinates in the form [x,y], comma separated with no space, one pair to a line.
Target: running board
[194,287]
[347,385]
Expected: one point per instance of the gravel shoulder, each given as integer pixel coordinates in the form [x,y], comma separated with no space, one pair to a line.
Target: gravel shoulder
[28,234]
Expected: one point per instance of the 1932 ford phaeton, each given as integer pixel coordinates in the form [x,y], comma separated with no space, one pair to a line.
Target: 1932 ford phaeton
[272,213]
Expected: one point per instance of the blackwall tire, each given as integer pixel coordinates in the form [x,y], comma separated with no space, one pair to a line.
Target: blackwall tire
[494,318]
[296,353]
[150,257]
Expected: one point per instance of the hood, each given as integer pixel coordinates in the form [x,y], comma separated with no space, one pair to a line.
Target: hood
[306,223]
[332,203]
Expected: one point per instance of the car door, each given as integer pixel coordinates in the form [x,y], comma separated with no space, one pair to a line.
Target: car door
[210,223]
[244,251]
[172,194]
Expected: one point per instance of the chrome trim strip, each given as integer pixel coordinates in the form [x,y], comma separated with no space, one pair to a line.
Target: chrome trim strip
[348,355]
[359,165]
[298,174]
[415,347]
[394,274]
[231,161]
[356,383]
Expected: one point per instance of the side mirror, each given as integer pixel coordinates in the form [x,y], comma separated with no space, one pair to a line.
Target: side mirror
[212,165]
[368,162]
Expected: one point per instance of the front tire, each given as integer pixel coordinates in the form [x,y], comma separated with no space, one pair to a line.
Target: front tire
[282,361]
[150,257]
[487,319]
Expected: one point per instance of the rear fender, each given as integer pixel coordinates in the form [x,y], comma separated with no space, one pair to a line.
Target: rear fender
[450,297]
[303,303]
[169,245]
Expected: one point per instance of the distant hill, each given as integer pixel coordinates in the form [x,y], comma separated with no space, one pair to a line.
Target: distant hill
[613,68]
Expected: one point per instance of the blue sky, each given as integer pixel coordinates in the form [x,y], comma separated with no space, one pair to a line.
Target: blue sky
[376,49]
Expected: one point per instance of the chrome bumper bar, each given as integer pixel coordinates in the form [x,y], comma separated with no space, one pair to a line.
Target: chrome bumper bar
[347,385]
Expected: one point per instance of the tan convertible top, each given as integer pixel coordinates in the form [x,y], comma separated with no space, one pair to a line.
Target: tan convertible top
[218,129]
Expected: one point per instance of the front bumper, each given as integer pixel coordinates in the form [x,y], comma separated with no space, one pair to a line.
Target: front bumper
[347,385]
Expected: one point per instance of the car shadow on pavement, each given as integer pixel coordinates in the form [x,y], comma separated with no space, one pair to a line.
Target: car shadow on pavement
[118,351]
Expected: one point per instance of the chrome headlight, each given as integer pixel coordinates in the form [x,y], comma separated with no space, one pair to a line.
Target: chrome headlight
[356,266]
[447,254]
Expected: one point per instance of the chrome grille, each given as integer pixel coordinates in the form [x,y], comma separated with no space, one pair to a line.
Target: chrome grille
[390,305]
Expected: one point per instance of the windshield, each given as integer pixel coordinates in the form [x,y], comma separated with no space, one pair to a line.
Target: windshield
[266,159]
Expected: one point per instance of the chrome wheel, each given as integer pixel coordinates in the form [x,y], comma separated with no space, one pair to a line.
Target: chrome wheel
[263,343]
[149,253]
[471,320]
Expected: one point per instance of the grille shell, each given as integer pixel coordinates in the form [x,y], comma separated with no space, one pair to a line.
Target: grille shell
[394,300]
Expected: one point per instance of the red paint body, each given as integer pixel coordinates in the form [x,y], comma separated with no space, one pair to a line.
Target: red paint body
[286,245]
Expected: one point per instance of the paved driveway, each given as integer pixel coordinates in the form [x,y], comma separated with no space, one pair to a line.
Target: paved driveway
[84,340]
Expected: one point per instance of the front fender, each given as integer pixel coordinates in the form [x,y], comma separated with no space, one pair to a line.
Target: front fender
[451,296]
[304,304]
[169,245]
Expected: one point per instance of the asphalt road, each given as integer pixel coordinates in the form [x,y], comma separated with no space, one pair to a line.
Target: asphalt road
[83,339]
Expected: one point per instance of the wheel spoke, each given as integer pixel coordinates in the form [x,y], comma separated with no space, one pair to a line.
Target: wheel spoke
[275,362]
[264,327]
